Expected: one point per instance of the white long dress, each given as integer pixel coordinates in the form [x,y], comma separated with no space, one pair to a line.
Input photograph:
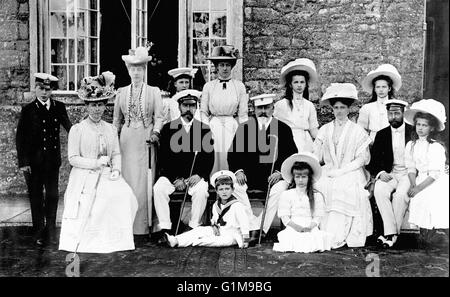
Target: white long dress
[301,119]
[429,208]
[294,203]
[109,226]
[348,212]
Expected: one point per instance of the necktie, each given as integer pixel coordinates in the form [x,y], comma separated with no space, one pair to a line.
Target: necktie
[224,81]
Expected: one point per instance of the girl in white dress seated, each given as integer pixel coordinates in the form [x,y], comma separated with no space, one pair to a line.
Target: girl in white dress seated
[425,160]
[229,223]
[301,207]
[99,206]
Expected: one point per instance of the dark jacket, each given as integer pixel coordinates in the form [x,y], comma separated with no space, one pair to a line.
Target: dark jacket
[381,153]
[177,150]
[252,151]
[37,136]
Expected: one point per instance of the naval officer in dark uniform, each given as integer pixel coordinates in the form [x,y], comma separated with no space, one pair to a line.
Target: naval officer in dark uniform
[39,155]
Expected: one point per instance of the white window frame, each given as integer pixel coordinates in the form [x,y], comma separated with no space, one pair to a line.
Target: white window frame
[235,25]
[139,11]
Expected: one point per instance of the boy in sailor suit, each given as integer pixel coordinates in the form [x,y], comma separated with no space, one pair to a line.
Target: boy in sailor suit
[229,223]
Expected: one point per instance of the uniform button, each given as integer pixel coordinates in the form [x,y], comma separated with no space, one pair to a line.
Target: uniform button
[54,146]
[43,130]
[45,148]
[43,121]
[44,139]
[56,129]
[55,120]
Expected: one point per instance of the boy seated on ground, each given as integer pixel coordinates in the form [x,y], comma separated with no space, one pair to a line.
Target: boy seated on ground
[229,223]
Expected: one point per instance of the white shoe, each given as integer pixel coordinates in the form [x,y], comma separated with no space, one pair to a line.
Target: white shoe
[172,240]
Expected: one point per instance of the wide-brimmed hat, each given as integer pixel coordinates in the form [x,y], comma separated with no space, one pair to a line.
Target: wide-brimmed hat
[189,94]
[137,56]
[431,106]
[223,173]
[396,102]
[176,72]
[300,64]
[384,69]
[263,99]
[340,90]
[224,52]
[45,79]
[307,157]
[97,88]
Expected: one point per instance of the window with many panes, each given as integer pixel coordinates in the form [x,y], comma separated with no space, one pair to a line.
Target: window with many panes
[139,13]
[74,40]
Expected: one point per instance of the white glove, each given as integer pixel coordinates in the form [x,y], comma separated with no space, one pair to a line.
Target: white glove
[114,175]
[103,161]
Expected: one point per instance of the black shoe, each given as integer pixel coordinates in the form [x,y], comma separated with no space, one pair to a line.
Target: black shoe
[162,240]
[140,239]
[51,235]
[39,238]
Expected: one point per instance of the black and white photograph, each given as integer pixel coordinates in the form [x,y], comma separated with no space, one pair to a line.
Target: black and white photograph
[221,146]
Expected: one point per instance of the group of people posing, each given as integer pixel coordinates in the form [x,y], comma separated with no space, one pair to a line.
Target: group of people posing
[315,177]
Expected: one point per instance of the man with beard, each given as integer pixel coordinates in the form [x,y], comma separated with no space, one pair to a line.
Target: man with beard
[185,142]
[387,165]
[259,143]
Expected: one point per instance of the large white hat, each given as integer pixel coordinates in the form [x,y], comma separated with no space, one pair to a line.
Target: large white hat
[340,90]
[263,99]
[299,64]
[137,56]
[431,106]
[384,69]
[188,94]
[97,88]
[306,157]
[182,70]
[222,173]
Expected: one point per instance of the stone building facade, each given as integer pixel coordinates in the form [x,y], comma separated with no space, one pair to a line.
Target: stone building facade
[346,39]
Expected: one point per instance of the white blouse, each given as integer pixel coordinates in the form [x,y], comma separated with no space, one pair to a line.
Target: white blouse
[302,116]
[373,117]
[427,158]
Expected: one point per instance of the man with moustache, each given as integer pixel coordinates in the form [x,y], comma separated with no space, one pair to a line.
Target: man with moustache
[39,155]
[182,140]
[259,143]
[387,165]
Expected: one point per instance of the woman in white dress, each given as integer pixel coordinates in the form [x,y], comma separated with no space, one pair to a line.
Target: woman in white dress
[295,109]
[138,116]
[224,103]
[381,83]
[301,207]
[99,206]
[344,148]
[425,160]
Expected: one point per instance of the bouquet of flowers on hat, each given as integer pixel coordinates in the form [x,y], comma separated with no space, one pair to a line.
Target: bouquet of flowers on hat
[101,86]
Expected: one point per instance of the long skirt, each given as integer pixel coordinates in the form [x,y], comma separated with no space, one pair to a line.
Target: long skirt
[303,242]
[109,225]
[135,171]
[223,129]
[303,140]
[429,208]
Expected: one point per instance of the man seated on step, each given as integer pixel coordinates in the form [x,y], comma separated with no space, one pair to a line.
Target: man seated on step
[185,160]
[261,144]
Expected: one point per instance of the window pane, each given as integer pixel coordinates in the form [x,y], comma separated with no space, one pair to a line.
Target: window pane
[138,25]
[72,78]
[71,29]
[204,72]
[71,50]
[70,5]
[80,74]
[61,73]
[81,24]
[218,5]
[217,42]
[92,70]
[93,22]
[219,24]
[202,5]
[82,3]
[58,24]
[93,4]
[200,51]
[57,5]
[92,46]
[81,57]
[201,25]
[58,54]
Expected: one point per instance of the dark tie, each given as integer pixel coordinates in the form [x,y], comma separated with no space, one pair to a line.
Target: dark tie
[224,81]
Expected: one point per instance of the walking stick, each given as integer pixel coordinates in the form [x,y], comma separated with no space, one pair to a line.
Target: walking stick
[268,189]
[185,195]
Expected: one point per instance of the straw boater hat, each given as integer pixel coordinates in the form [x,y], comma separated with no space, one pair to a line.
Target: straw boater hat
[185,95]
[222,173]
[300,64]
[306,157]
[176,72]
[385,69]
[44,79]
[339,90]
[97,88]
[431,106]
[263,99]
[224,53]
[137,56]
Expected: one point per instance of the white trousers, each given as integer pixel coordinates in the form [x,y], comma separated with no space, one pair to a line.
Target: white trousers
[392,207]
[272,204]
[163,188]
[204,236]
